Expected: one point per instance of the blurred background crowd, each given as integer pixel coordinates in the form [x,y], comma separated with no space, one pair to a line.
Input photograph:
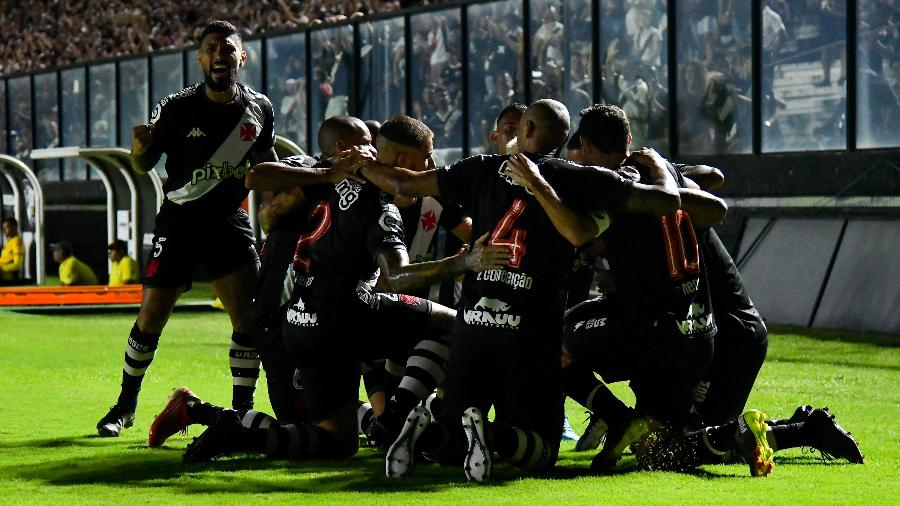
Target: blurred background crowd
[41,34]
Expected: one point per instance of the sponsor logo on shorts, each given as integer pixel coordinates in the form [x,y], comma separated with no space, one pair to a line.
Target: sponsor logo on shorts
[223,171]
[348,191]
[492,313]
[593,323]
[195,132]
[297,315]
[516,280]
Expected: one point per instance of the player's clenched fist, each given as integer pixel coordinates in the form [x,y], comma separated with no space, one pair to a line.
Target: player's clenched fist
[141,139]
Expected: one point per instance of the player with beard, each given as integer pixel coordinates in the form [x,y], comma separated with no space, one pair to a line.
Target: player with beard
[282,216]
[335,320]
[510,319]
[212,133]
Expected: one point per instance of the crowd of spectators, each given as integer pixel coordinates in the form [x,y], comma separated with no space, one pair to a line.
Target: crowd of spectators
[713,43]
[42,34]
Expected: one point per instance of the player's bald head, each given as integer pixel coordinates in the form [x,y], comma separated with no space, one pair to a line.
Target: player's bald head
[544,126]
[338,133]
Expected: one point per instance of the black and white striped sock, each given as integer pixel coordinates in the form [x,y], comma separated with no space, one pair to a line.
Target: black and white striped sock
[257,420]
[523,448]
[139,353]
[244,361]
[425,370]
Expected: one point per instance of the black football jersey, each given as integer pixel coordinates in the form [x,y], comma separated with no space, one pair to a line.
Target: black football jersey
[348,224]
[659,271]
[529,294]
[209,147]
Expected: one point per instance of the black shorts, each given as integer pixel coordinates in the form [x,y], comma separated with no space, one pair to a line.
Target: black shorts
[663,368]
[269,294]
[740,350]
[183,251]
[328,338]
[519,375]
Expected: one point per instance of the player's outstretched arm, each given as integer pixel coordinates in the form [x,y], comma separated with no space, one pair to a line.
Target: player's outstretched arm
[576,227]
[705,209]
[400,276]
[143,156]
[276,176]
[660,197]
[361,161]
[707,177]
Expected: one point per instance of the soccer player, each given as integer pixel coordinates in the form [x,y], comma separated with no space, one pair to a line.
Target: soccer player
[283,217]
[661,311]
[510,319]
[212,133]
[12,257]
[504,138]
[72,271]
[335,320]
[507,125]
[124,270]
[740,345]
[422,217]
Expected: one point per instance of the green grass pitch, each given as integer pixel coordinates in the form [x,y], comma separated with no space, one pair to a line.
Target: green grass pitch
[59,374]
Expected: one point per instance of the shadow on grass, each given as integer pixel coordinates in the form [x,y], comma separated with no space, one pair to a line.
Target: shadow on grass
[363,473]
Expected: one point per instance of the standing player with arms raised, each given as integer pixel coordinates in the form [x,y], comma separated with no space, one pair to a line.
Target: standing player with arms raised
[212,133]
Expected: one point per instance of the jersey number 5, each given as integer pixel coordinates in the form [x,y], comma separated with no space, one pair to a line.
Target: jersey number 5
[513,238]
[680,241]
[322,211]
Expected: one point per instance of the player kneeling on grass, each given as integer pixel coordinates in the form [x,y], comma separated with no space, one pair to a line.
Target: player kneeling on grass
[335,320]
[667,384]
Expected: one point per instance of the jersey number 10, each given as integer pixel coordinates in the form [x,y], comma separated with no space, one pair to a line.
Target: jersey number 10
[682,252]
[513,238]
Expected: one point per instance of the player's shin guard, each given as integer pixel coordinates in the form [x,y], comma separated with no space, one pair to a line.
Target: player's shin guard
[522,448]
[139,353]
[244,361]
[425,370]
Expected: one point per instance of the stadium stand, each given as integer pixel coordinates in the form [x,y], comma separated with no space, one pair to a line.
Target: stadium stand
[95,30]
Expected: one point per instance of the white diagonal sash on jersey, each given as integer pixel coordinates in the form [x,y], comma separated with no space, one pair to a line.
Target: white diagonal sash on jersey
[422,239]
[231,151]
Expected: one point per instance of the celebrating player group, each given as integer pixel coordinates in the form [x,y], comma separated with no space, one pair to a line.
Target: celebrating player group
[341,292]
